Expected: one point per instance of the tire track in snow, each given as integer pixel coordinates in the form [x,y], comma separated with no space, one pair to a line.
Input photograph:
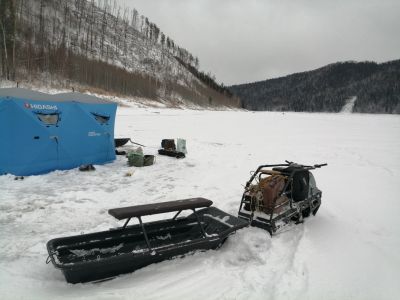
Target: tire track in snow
[294,276]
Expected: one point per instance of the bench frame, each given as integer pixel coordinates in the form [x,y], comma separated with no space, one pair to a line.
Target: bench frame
[139,211]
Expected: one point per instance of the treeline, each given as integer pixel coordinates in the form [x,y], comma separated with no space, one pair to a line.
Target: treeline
[207,78]
[376,86]
[97,44]
[105,32]
[8,32]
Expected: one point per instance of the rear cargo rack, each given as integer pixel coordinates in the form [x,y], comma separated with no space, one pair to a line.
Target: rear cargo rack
[297,206]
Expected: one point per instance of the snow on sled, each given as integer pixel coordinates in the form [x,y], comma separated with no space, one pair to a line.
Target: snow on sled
[274,198]
[105,254]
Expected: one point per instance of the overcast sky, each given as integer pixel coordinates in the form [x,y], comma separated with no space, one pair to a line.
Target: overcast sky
[250,40]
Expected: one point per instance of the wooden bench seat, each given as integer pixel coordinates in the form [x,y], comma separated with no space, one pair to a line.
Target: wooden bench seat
[158,208]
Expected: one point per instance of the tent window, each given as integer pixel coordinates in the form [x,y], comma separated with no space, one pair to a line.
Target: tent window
[48,119]
[101,119]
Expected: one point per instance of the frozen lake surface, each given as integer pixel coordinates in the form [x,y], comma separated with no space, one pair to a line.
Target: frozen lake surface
[350,250]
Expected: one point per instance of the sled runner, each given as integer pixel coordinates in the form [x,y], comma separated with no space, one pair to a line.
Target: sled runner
[105,254]
[276,197]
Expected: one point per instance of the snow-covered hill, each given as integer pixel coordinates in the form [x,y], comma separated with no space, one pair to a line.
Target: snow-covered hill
[349,250]
[328,88]
[98,45]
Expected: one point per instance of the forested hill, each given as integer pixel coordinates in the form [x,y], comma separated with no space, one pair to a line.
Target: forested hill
[375,86]
[102,47]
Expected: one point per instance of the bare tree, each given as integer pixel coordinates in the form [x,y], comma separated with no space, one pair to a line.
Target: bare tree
[5,65]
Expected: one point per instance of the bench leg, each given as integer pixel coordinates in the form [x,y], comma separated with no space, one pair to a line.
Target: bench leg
[177,214]
[201,226]
[145,234]
[126,223]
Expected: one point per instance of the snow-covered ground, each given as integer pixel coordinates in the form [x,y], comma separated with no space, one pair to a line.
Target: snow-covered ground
[350,250]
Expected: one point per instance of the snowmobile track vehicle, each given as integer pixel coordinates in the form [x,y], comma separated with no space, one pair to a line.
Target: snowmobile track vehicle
[278,195]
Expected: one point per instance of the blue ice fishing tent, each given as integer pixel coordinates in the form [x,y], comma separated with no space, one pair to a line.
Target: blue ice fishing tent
[42,132]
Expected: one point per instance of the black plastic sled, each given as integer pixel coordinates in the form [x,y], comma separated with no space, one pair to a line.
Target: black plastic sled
[171,153]
[279,195]
[105,254]
[119,142]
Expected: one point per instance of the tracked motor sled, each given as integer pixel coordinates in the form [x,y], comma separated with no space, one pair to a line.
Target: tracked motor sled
[279,195]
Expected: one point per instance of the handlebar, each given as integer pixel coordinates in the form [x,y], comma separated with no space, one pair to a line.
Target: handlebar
[320,165]
[290,163]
